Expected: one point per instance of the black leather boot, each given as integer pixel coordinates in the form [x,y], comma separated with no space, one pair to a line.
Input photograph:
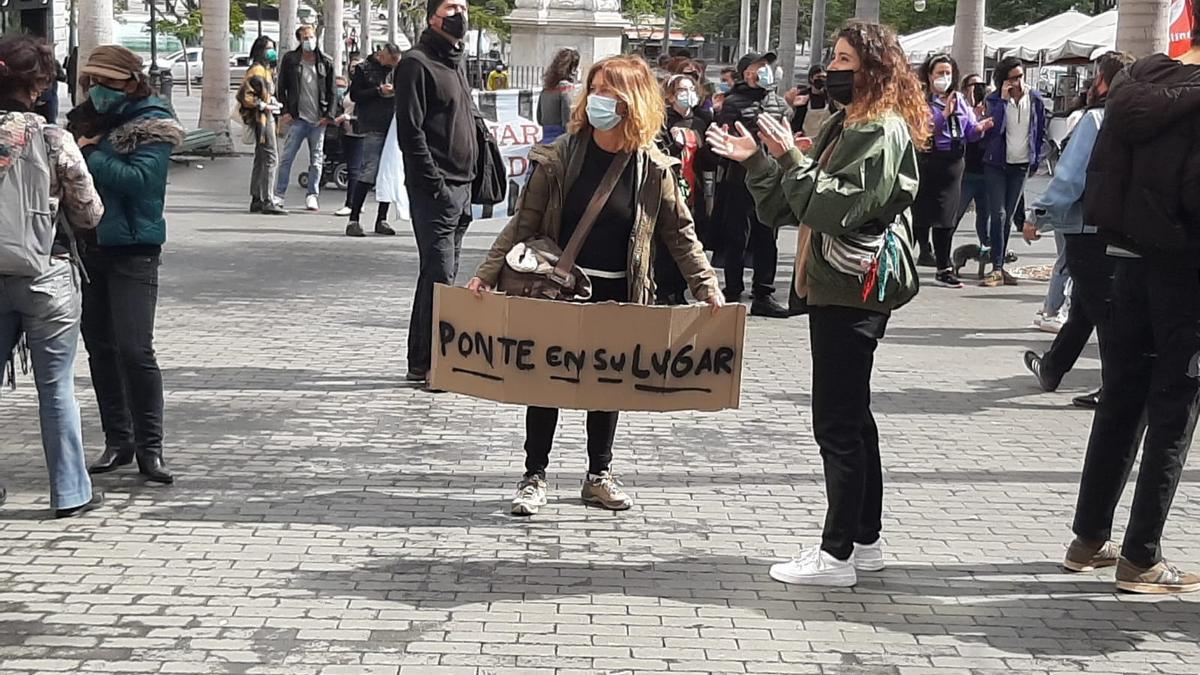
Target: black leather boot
[153,469]
[111,460]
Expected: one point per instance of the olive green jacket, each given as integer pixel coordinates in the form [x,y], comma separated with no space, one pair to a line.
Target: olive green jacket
[661,211]
[871,178]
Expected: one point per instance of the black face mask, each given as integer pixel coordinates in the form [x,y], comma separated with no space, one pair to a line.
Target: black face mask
[455,26]
[839,86]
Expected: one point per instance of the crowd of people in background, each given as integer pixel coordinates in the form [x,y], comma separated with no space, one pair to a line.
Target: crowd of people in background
[875,163]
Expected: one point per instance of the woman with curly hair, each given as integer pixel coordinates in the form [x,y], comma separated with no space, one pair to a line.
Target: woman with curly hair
[853,192]
[613,127]
[558,90]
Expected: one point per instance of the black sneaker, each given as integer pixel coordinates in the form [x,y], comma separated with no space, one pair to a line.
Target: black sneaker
[1087,401]
[417,376]
[1034,363]
[926,259]
[273,209]
[948,279]
[97,500]
[384,229]
[766,306]
[732,298]
[354,229]
[256,206]
[3,495]
[1010,258]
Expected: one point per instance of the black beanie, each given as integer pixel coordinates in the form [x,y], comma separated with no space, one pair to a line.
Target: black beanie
[432,7]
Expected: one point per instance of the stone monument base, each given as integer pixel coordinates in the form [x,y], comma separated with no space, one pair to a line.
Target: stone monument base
[537,34]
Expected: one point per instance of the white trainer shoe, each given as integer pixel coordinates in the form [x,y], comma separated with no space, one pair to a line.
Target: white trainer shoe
[868,557]
[344,211]
[310,203]
[815,567]
[530,497]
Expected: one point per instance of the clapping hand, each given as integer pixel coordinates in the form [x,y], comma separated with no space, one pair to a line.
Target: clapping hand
[739,148]
[776,135]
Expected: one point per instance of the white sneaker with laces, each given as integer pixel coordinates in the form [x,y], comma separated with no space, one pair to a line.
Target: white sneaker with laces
[1052,324]
[310,203]
[815,567]
[344,211]
[868,557]
[531,496]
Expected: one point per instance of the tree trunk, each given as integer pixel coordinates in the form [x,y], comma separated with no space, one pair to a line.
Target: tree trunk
[1143,26]
[95,29]
[287,25]
[789,24]
[818,32]
[334,42]
[968,36]
[393,20]
[743,31]
[867,10]
[764,26]
[364,27]
[214,94]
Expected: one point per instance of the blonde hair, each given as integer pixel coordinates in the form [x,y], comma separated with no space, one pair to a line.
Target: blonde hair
[634,85]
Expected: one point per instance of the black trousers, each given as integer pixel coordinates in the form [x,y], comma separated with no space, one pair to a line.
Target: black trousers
[439,223]
[1091,277]
[669,283]
[843,354]
[1151,363]
[744,229]
[936,208]
[119,305]
[541,423]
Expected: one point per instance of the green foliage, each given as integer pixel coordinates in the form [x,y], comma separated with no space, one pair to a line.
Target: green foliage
[491,15]
[188,29]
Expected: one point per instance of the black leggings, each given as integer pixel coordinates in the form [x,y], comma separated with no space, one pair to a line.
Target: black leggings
[936,207]
[358,196]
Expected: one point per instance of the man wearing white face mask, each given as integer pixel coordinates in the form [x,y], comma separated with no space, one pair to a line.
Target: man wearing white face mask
[306,94]
[742,228]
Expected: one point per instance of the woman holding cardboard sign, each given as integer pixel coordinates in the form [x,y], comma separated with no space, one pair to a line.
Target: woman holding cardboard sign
[605,179]
[853,194]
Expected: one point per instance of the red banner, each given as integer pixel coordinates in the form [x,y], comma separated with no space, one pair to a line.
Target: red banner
[1181,27]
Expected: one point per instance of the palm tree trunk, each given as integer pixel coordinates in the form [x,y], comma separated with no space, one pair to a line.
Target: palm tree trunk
[968,36]
[789,23]
[867,10]
[214,94]
[334,42]
[95,29]
[818,32]
[764,26]
[1143,26]
[287,25]
[393,20]
[364,27]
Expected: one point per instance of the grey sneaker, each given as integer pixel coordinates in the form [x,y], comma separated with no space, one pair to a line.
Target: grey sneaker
[605,491]
[1161,578]
[1085,556]
[531,496]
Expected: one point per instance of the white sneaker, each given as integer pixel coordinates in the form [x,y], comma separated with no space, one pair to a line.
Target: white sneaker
[310,203]
[531,496]
[815,567]
[868,557]
[1052,324]
[344,211]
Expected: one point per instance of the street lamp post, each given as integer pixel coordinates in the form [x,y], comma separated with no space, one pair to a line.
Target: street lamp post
[259,18]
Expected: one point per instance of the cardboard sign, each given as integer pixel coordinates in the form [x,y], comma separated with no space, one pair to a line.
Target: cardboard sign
[604,356]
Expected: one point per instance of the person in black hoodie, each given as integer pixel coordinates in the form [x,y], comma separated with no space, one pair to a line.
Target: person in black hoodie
[374,98]
[755,77]
[1141,195]
[436,126]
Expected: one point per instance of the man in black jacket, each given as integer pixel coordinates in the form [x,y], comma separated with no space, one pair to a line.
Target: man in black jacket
[755,78]
[435,123]
[306,94]
[374,98]
[1141,194]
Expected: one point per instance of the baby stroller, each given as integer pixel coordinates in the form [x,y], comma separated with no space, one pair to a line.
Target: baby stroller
[334,169]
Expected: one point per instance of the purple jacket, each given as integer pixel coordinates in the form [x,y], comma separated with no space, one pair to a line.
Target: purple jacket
[955,132]
[995,144]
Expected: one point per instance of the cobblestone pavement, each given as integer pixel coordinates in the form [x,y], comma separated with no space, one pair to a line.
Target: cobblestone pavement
[328,519]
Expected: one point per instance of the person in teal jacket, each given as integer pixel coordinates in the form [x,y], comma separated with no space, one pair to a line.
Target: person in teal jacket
[852,194]
[127,136]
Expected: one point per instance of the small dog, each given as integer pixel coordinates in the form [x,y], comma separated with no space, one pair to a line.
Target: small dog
[968,252]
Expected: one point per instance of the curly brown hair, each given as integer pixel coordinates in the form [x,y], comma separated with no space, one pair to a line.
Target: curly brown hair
[561,68]
[884,82]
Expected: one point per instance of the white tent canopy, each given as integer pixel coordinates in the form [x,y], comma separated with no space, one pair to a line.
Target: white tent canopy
[1089,41]
[939,39]
[1029,43]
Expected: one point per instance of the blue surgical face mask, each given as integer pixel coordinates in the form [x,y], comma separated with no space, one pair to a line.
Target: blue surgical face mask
[272,55]
[602,112]
[688,98]
[309,44]
[723,87]
[766,77]
[105,99]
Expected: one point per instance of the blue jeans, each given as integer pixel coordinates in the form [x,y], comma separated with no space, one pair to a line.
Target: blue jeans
[299,132]
[47,310]
[974,188]
[1004,187]
[1056,295]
